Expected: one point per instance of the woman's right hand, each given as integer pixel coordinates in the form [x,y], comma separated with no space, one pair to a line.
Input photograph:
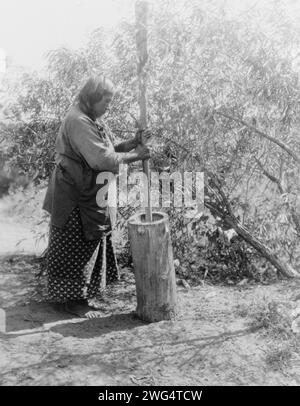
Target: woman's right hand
[142,152]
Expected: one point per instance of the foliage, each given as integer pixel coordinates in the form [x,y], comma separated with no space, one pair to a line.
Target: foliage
[204,67]
[275,321]
[206,252]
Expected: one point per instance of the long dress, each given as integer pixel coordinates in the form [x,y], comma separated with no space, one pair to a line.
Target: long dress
[74,264]
[79,229]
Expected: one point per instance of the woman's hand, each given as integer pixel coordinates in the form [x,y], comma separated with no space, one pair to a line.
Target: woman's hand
[142,152]
[143,136]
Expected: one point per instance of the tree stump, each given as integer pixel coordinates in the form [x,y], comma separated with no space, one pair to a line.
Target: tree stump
[153,267]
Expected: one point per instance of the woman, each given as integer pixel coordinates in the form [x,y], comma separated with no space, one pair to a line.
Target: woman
[83,149]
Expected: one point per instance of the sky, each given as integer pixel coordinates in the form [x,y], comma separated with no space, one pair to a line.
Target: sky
[30,28]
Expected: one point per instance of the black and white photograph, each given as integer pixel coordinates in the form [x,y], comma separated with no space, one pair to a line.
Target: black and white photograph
[149,196]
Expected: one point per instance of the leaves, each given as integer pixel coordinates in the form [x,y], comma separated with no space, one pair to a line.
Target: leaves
[200,61]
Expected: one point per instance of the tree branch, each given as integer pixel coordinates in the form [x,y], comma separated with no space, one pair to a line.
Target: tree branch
[262,134]
[229,219]
[270,176]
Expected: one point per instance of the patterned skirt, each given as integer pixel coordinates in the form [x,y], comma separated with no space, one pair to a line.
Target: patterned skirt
[75,265]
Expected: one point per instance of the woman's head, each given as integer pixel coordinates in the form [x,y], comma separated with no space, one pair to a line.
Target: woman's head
[95,95]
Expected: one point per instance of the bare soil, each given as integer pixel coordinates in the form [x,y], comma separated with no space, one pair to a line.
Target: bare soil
[211,343]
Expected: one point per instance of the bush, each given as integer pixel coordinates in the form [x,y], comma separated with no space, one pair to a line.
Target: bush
[213,81]
[11,180]
[206,252]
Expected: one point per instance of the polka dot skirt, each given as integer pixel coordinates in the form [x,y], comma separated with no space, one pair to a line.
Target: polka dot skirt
[74,265]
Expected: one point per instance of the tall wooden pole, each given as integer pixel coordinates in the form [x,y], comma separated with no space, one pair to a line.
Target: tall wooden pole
[149,233]
[141,15]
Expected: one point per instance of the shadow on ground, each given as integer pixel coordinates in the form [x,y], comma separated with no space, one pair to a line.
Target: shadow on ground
[38,317]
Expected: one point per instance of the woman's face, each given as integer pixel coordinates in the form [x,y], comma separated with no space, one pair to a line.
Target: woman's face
[101,107]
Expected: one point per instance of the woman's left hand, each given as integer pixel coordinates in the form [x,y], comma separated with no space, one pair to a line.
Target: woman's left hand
[143,136]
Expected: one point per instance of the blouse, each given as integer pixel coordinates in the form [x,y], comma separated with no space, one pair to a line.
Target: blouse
[83,150]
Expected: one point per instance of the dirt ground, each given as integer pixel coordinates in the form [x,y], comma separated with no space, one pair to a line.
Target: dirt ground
[211,343]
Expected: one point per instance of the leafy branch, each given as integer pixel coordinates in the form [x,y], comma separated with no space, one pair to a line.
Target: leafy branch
[295,156]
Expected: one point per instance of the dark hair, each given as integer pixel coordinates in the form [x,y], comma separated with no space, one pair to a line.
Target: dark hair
[92,92]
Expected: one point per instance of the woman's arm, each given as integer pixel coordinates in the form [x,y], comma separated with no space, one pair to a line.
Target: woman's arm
[141,152]
[84,139]
[126,146]
[141,137]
